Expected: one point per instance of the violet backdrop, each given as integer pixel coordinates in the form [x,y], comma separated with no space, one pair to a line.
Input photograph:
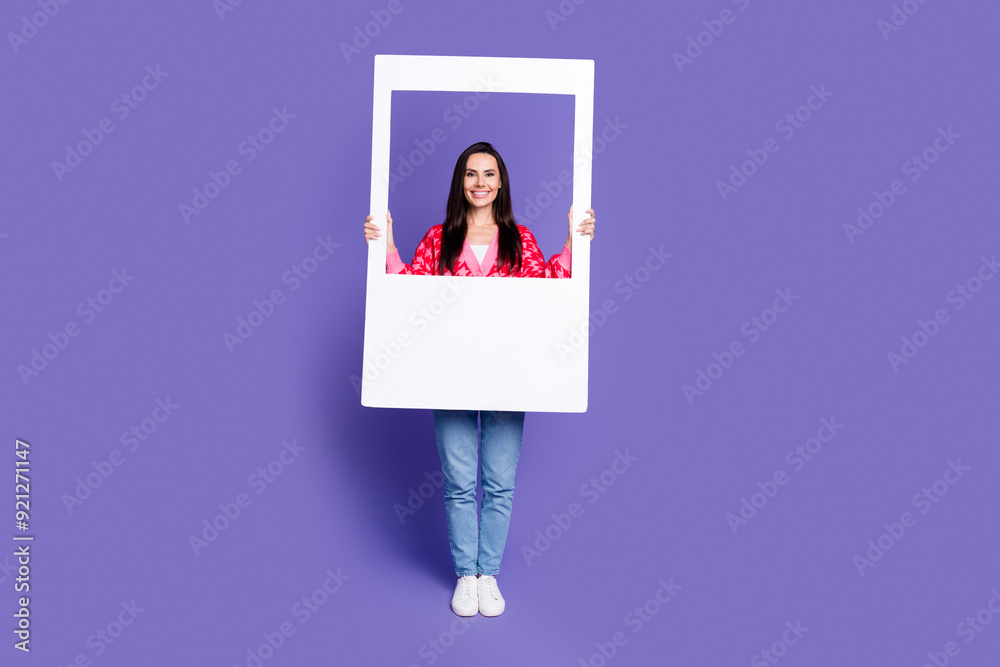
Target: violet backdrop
[724,503]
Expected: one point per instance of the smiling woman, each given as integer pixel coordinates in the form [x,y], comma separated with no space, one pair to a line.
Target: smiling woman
[479,214]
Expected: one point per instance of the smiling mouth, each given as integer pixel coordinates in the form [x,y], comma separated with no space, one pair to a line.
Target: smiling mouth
[480,194]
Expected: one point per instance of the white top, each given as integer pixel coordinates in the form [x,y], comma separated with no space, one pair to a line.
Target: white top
[479,251]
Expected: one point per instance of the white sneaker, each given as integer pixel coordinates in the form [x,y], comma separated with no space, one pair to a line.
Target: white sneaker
[465,601]
[490,601]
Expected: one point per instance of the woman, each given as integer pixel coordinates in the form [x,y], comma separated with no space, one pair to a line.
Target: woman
[479,237]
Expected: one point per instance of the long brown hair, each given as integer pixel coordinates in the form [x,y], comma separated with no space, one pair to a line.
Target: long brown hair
[455,225]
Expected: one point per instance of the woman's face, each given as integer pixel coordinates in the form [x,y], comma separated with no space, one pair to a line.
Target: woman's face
[482,179]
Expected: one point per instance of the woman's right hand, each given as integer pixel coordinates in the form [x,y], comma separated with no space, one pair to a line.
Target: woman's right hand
[372,231]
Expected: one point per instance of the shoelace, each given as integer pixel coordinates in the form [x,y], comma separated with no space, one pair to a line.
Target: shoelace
[467,586]
[490,582]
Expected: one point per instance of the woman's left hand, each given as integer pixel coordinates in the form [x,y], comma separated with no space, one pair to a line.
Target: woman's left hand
[585,227]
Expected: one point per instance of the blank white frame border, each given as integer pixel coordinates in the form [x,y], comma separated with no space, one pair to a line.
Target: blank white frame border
[470,343]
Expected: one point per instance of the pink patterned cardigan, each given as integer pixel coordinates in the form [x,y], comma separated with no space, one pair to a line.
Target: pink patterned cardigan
[533,265]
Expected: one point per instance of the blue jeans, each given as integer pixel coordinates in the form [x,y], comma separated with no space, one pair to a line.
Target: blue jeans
[477,548]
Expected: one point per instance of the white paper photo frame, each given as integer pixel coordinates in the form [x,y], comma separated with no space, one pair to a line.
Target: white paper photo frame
[476,343]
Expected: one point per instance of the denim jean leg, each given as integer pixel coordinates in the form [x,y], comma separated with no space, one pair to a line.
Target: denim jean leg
[501,450]
[457,436]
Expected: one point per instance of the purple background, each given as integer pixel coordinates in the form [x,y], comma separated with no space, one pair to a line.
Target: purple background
[654,185]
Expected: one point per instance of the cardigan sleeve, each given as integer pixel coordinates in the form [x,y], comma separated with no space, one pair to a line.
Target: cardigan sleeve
[533,264]
[560,266]
[425,259]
